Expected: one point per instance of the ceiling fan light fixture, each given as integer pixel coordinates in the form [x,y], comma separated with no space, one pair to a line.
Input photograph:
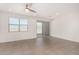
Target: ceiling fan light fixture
[26,10]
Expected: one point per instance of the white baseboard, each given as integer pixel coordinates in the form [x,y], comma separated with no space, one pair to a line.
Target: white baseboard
[17,40]
[65,38]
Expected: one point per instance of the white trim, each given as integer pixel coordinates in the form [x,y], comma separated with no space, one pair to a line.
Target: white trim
[65,38]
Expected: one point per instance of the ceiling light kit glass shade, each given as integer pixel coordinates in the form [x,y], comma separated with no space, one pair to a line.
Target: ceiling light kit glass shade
[26,10]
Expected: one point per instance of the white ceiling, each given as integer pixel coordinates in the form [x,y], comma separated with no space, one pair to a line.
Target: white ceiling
[47,10]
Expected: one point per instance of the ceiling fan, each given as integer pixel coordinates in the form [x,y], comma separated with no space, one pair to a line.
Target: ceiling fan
[29,9]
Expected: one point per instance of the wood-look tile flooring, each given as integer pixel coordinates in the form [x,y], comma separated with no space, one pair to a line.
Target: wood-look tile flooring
[40,46]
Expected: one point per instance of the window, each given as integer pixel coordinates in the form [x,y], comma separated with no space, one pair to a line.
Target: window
[23,25]
[16,24]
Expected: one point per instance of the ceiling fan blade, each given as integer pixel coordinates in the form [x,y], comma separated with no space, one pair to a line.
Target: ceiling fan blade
[32,10]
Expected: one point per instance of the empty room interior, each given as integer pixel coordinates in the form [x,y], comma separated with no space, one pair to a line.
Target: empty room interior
[39,28]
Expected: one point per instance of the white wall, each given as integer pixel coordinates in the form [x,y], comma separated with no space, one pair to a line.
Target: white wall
[6,36]
[66,26]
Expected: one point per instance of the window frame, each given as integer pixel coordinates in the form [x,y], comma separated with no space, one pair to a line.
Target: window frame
[17,24]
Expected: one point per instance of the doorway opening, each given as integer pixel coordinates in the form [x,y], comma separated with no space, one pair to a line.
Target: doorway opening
[42,28]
